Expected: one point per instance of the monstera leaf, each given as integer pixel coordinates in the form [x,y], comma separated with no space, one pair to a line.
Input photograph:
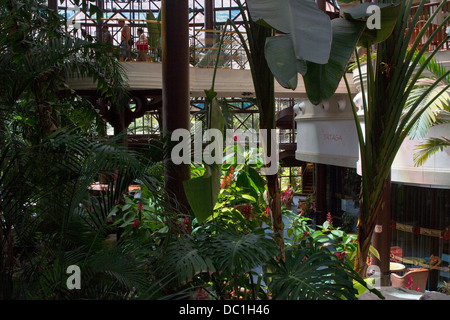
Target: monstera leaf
[308,27]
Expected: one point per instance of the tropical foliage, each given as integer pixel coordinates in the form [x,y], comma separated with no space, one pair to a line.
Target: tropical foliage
[392,76]
[391,79]
[437,111]
[51,153]
[128,244]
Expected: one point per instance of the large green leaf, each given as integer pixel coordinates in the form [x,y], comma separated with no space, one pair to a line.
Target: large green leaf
[310,276]
[321,81]
[389,14]
[235,251]
[202,192]
[310,28]
[280,57]
[185,259]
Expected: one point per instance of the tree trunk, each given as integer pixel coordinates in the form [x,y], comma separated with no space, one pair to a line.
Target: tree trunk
[275,207]
[366,226]
[364,242]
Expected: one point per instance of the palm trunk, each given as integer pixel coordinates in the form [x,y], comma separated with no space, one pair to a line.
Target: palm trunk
[275,207]
[366,227]
[364,242]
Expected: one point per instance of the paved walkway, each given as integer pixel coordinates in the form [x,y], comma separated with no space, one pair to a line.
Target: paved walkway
[392,293]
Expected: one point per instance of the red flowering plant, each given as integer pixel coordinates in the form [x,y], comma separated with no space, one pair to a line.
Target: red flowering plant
[135,213]
[242,189]
[307,207]
[337,241]
[287,197]
[300,230]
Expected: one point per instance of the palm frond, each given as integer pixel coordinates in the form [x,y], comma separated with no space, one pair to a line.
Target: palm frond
[429,148]
[441,99]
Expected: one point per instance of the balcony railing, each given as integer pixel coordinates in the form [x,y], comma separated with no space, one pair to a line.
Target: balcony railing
[425,13]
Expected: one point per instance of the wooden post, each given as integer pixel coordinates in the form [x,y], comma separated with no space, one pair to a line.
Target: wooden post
[99,30]
[209,22]
[175,89]
[321,193]
[53,5]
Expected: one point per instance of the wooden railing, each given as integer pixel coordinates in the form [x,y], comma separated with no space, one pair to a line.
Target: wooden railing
[439,33]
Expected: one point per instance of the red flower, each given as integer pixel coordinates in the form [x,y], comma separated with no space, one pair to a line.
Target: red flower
[416,230]
[330,219]
[136,223]
[140,206]
[267,212]
[202,294]
[236,138]
[185,223]
[226,182]
[341,255]
[246,211]
[394,225]
[410,281]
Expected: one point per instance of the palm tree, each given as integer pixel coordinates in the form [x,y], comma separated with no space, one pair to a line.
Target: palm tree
[436,113]
[49,219]
[391,79]
[38,56]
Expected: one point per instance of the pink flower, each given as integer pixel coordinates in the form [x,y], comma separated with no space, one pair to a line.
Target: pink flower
[185,223]
[267,212]
[341,255]
[202,294]
[409,284]
[330,219]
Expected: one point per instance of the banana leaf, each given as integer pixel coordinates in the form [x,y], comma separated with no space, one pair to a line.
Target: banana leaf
[322,80]
[310,28]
